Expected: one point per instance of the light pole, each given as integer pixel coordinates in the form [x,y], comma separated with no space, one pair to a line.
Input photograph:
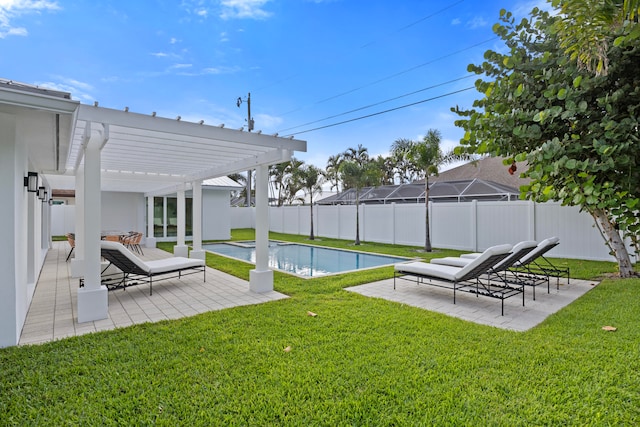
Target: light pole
[249,128]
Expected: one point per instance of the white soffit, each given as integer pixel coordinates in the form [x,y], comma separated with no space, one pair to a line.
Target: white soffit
[152,155]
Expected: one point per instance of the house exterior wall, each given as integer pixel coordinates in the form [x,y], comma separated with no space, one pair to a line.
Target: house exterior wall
[216,214]
[123,212]
[23,246]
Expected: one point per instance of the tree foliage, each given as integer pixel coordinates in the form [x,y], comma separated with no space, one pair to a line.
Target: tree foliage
[584,28]
[577,131]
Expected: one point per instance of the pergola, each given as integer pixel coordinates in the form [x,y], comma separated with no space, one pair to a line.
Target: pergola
[101,149]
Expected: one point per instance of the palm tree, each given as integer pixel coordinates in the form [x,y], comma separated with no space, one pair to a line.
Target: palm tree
[386,167]
[240,179]
[360,155]
[426,156]
[331,173]
[290,181]
[400,150]
[278,174]
[310,179]
[355,175]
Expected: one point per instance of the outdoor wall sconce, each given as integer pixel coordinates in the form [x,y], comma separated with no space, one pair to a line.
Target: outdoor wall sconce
[42,194]
[31,182]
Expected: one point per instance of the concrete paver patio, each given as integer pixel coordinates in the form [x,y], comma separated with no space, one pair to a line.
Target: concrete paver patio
[53,311]
[481,309]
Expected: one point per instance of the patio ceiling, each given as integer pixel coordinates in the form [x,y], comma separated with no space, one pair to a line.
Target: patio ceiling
[142,153]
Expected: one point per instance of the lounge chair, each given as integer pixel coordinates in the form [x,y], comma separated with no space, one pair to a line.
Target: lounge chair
[537,264]
[466,278]
[519,252]
[136,271]
[534,263]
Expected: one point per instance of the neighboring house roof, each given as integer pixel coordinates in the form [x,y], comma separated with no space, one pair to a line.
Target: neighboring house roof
[443,191]
[222,182]
[487,169]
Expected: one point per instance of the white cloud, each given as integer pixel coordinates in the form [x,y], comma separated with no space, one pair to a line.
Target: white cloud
[77,89]
[220,70]
[455,21]
[244,9]
[267,122]
[10,9]
[477,22]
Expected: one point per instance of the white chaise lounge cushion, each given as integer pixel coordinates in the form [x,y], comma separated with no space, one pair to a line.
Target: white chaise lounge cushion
[171,264]
[507,262]
[541,248]
[447,272]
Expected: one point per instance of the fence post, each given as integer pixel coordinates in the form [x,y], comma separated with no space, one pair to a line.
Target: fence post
[474,225]
[363,224]
[532,220]
[393,223]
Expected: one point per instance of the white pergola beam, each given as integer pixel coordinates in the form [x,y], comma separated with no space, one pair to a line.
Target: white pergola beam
[182,129]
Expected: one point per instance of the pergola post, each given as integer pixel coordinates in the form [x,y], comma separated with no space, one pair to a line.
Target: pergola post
[181,249]
[77,261]
[197,251]
[92,298]
[261,278]
[151,239]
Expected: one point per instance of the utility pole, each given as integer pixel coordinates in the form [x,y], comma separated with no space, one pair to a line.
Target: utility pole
[249,128]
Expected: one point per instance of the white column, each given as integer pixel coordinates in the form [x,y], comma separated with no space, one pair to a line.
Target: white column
[181,249]
[151,240]
[77,262]
[92,298]
[261,278]
[197,251]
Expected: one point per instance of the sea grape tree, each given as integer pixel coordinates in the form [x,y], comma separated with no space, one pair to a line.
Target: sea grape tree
[579,132]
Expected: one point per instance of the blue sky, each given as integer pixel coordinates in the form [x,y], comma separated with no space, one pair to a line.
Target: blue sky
[307,63]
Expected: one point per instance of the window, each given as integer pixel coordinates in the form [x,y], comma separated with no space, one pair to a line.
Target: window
[165,216]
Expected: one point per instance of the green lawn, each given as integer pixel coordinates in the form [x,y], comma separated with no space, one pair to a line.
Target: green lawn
[360,361]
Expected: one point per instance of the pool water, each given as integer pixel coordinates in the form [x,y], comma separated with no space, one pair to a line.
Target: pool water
[304,260]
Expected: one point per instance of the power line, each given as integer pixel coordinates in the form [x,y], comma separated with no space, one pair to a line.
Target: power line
[381,112]
[416,22]
[396,74]
[379,103]
[374,41]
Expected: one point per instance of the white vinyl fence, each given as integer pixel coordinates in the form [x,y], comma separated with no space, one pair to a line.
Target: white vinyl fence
[471,226]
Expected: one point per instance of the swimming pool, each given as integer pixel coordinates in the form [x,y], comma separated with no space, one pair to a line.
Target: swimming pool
[304,260]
